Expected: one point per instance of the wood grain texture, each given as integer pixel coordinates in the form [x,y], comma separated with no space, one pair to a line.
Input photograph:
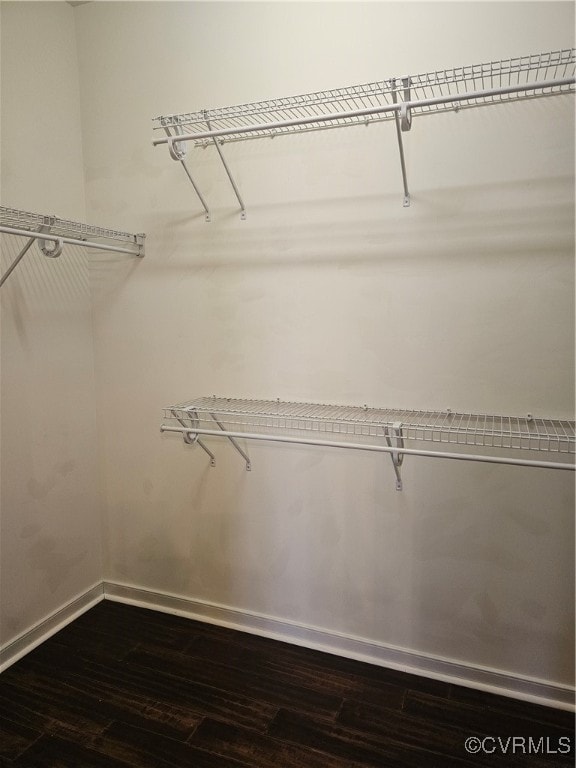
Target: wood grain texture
[126,687]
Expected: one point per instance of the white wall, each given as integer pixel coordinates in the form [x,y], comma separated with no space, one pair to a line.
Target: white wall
[50,527]
[330,291]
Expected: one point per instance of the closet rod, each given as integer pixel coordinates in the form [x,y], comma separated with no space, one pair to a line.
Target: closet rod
[519,88]
[378,448]
[69,240]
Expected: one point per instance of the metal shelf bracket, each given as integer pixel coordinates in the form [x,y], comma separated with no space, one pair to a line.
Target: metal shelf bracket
[56,250]
[405,109]
[226,168]
[403,121]
[177,150]
[234,443]
[395,439]
[16,261]
[192,438]
[51,252]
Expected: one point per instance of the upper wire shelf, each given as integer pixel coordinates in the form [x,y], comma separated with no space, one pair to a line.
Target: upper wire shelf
[448,89]
[398,99]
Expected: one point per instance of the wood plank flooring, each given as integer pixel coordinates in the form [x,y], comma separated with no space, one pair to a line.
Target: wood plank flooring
[125,687]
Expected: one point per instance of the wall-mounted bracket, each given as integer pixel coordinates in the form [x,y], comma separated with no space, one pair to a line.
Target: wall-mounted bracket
[226,168]
[51,252]
[45,227]
[405,109]
[140,240]
[50,248]
[192,438]
[403,121]
[177,150]
[234,443]
[394,433]
[16,261]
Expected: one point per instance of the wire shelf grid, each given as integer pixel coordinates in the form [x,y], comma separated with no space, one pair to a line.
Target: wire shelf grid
[534,69]
[13,217]
[489,431]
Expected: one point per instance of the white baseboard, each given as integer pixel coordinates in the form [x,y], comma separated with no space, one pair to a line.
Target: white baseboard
[371,652]
[27,641]
[448,670]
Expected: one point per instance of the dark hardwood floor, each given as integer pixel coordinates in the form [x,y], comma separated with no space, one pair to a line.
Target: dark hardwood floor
[124,686]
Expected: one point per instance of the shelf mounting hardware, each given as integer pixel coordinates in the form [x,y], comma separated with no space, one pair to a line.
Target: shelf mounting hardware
[234,442]
[16,261]
[177,151]
[191,437]
[53,253]
[226,168]
[394,433]
[403,121]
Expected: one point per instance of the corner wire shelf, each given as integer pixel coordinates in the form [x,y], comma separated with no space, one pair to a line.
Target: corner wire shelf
[379,429]
[399,99]
[52,233]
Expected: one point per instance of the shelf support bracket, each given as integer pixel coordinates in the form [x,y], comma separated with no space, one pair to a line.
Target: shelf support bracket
[403,120]
[226,168]
[53,253]
[177,151]
[394,433]
[192,438]
[16,261]
[234,443]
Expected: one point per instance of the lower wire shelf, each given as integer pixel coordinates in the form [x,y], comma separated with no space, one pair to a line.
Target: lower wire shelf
[376,429]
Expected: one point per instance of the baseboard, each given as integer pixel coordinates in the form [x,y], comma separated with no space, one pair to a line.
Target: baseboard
[380,654]
[27,641]
[485,679]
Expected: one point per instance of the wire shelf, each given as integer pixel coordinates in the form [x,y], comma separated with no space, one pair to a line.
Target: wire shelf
[13,217]
[331,106]
[343,422]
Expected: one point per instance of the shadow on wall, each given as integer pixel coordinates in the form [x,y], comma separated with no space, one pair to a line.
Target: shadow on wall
[490,220]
